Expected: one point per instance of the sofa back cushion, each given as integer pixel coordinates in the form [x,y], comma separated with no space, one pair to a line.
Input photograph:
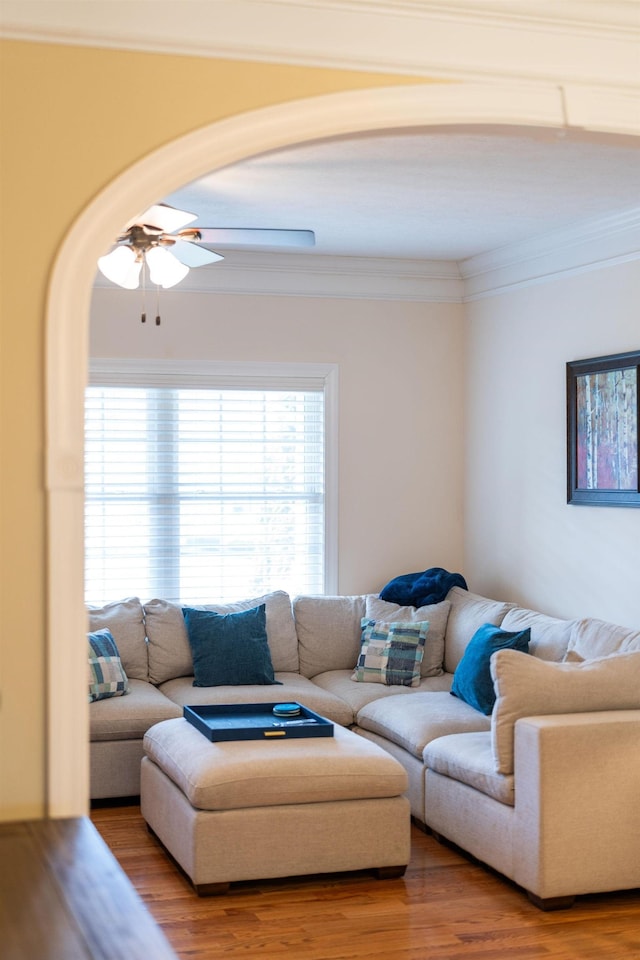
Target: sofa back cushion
[549,635]
[596,638]
[125,621]
[329,632]
[436,613]
[468,612]
[169,650]
[526,686]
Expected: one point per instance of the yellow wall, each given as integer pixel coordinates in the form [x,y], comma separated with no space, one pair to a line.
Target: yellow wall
[72,119]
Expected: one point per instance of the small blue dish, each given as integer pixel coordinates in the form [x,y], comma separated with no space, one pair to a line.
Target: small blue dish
[286,710]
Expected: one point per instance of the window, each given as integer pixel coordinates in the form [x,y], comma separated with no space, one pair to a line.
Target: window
[208,482]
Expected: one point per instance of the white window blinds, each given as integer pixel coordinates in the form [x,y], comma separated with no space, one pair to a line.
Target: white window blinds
[204,491]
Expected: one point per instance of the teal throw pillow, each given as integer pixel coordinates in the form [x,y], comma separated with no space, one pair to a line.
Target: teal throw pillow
[391,653]
[229,649]
[107,677]
[472,678]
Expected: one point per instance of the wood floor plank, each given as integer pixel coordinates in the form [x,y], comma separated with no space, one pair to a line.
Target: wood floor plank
[446,907]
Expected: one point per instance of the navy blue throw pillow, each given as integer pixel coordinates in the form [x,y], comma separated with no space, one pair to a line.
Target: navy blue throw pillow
[472,678]
[229,649]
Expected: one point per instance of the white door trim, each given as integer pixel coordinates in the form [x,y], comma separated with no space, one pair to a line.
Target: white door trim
[67,322]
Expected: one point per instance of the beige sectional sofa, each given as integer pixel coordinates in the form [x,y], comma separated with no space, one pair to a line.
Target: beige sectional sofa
[546,789]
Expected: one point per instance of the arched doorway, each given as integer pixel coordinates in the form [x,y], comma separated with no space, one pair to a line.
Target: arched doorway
[159,173]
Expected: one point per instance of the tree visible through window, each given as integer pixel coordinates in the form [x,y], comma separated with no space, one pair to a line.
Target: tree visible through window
[202,494]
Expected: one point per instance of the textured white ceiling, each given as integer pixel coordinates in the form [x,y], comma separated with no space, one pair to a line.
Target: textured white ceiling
[438,194]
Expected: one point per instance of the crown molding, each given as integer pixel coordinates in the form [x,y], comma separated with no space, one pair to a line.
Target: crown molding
[554,41]
[588,245]
[616,18]
[300,275]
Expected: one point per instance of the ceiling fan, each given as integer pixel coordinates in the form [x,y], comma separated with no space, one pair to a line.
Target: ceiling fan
[159,237]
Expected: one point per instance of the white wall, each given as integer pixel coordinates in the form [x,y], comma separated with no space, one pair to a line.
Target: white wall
[522,540]
[400,404]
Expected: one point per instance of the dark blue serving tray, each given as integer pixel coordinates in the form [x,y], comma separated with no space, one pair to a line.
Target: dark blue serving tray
[254,721]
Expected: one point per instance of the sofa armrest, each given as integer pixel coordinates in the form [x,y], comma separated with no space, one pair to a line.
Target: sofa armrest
[577,803]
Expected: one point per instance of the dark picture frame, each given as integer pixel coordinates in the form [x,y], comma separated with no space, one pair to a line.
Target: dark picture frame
[603,413]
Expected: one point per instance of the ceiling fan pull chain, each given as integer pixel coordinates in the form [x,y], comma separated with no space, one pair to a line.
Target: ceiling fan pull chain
[157,305]
[143,318]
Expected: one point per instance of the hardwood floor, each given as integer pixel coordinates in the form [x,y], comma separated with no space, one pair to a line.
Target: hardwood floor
[446,907]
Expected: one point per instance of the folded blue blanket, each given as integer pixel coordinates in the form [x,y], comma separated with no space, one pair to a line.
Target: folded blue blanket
[419,589]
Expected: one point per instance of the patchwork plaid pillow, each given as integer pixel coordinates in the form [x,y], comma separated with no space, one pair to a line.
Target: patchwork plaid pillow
[106,673]
[391,653]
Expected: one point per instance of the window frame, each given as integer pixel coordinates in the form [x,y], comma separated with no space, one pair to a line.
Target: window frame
[206,374]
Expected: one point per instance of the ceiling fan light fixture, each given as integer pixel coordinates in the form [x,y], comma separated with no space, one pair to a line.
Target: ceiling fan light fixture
[164,269]
[122,266]
[169,255]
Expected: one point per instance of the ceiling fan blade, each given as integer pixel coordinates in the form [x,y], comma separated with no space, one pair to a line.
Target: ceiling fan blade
[166,218]
[255,237]
[193,255]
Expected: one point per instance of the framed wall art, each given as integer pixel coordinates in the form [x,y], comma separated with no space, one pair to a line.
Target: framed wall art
[602,431]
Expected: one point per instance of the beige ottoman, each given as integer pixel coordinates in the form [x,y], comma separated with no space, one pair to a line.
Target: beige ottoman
[253,809]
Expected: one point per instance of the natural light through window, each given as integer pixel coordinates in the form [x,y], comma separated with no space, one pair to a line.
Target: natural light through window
[203,493]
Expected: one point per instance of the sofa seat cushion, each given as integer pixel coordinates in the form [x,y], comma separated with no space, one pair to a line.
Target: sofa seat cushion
[357,695]
[169,650]
[436,614]
[129,717]
[291,687]
[413,723]
[549,635]
[258,773]
[468,757]
[124,619]
[592,638]
[468,612]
